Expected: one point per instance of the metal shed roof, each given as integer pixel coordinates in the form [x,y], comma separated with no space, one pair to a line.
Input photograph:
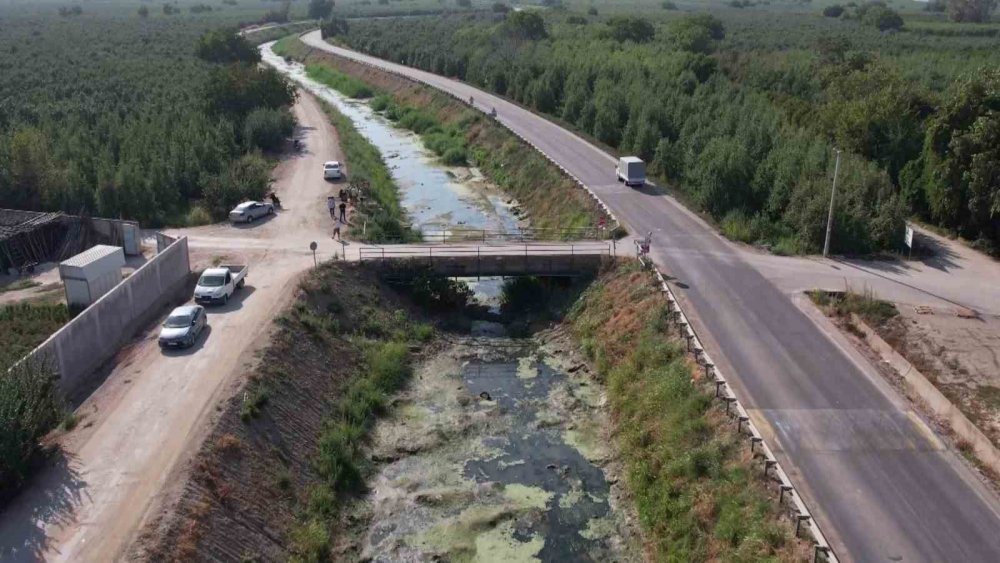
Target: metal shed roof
[91,255]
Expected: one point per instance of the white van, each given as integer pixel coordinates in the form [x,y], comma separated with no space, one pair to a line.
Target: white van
[631,170]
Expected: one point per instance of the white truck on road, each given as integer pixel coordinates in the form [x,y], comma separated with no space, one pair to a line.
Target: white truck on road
[631,170]
[217,285]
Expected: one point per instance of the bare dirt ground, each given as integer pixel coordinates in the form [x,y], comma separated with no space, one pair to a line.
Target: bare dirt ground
[154,408]
[960,355]
[45,284]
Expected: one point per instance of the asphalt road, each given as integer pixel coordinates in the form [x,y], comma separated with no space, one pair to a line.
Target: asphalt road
[881,485]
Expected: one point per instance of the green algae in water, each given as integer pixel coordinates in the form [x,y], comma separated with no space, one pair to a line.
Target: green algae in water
[499,545]
[456,537]
[526,368]
[570,499]
[479,533]
[587,392]
[598,529]
[586,440]
[524,496]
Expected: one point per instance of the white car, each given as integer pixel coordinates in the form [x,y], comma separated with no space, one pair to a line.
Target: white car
[248,211]
[332,171]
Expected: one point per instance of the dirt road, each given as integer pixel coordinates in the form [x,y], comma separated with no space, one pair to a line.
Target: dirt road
[141,425]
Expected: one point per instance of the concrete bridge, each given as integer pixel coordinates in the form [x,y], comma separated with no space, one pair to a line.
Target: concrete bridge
[564,259]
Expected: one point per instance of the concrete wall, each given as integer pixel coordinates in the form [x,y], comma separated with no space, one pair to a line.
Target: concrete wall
[97,333]
[119,233]
[918,385]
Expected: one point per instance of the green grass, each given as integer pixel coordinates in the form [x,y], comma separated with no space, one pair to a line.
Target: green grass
[24,326]
[340,459]
[346,85]
[253,402]
[696,497]
[447,141]
[19,285]
[379,337]
[380,218]
[865,304]
[30,406]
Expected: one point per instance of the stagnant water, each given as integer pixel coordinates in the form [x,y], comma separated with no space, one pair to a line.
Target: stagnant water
[497,450]
[437,198]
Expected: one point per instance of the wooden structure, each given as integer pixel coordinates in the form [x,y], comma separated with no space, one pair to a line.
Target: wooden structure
[28,238]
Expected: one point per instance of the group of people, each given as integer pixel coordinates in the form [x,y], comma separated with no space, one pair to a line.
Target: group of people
[339,220]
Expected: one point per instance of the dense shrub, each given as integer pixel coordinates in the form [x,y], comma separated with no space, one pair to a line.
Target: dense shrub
[247,178]
[956,178]
[30,406]
[526,25]
[630,28]
[225,46]
[267,129]
[124,119]
[833,11]
[334,27]
[971,10]
[320,9]
[729,149]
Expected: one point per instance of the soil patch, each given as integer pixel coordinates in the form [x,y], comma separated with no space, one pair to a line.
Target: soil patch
[254,474]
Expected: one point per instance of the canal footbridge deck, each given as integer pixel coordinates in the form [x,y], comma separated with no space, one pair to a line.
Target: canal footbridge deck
[562,259]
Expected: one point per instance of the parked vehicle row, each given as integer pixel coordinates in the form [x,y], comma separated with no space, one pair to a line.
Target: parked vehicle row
[215,286]
[183,326]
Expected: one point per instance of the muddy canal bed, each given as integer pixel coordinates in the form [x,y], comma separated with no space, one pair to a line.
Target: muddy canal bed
[496,452]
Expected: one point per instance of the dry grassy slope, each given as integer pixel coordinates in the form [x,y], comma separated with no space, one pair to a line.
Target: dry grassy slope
[551,199]
[249,478]
[691,477]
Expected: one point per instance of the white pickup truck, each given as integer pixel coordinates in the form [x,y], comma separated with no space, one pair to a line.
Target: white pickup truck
[217,285]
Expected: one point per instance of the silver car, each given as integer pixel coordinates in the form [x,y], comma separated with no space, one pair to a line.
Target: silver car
[182,327]
[248,211]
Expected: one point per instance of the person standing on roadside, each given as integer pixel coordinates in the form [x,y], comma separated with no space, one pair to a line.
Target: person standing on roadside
[336,229]
[343,212]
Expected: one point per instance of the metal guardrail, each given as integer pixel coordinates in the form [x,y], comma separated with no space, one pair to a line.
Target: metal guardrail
[759,449]
[405,251]
[446,234]
[822,546]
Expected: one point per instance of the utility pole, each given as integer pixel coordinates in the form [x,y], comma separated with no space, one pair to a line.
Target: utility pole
[829,217]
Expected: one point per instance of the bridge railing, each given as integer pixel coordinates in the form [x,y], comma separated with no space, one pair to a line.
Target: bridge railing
[404,251]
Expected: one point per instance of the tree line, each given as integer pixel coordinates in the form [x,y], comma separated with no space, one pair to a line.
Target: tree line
[135,118]
[749,141]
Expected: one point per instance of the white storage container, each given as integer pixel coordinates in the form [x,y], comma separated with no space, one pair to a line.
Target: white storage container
[92,273]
